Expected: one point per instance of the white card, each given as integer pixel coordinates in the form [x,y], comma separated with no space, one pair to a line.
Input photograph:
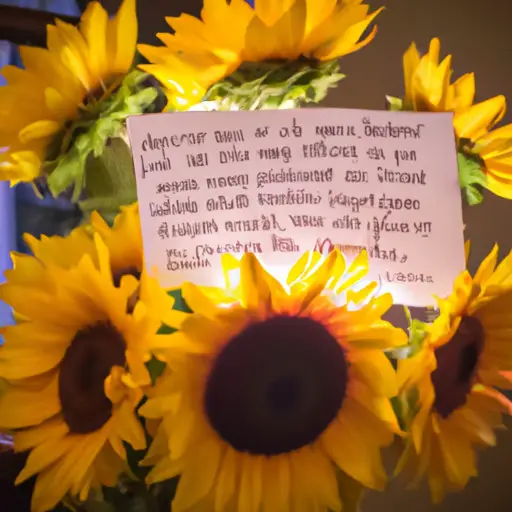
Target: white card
[280,182]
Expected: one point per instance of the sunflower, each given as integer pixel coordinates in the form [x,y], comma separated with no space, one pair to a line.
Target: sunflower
[123,240]
[248,51]
[450,384]
[74,366]
[490,150]
[125,249]
[427,82]
[485,156]
[61,83]
[272,389]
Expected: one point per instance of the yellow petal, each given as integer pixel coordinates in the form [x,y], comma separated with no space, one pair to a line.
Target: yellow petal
[412,370]
[467,249]
[236,15]
[183,90]
[199,302]
[227,480]
[486,268]
[27,439]
[502,136]
[347,42]
[270,11]
[108,466]
[28,165]
[53,484]
[282,40]
[256,285]
[476,425]
[128,427]
[319,278]
[376,337]
[373,311]
[198,478]
[249,497]
[66,41]
[314,474]
[165,469]
[25,406]
[376,371]
[320,40]
[122,33]
[39,130]
[464,92]
[353,455]
[317,12]
[378,405]
[481,117]
[356,271]
[93,25]
[276,483]
[499,186]
[183,430]
[434,50]
[411,61]
[303,266]
[499,162]
[44,455]
[458,454]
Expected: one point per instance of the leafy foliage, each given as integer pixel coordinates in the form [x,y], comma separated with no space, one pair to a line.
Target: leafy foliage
[471,177]
[83,155]
[271,85]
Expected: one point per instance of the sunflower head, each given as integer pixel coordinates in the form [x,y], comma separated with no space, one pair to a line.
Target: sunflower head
[60,84]
[484,159]
[124,243]
[450,384]
[486,149]
[276,49]
[74,365]
[273,388]
[428,86]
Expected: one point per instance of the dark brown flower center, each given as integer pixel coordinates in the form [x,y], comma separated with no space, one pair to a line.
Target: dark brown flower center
[276,386]
[86,364]
[457,362]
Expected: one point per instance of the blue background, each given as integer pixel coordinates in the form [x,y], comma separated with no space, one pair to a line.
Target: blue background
[8,196]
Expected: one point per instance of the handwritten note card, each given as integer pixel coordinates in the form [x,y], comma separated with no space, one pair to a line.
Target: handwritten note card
[278,183]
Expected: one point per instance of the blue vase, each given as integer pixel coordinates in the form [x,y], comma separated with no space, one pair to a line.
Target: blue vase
[43,215]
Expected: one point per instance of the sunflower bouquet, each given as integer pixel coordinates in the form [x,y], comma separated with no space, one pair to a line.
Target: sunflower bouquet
[265,394]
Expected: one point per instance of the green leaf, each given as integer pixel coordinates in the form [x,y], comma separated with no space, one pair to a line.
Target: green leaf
[394,104]
[110,178]
[68,171]
[104,129]
[351,492]
[180,303]
[266,85]
[417,331]
[140,101]
[85,155]
[471,177]
[155,367]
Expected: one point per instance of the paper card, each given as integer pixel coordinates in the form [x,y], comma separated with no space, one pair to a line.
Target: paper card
[278,183]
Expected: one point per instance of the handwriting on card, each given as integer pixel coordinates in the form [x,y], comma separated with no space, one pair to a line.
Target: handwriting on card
[278,183]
